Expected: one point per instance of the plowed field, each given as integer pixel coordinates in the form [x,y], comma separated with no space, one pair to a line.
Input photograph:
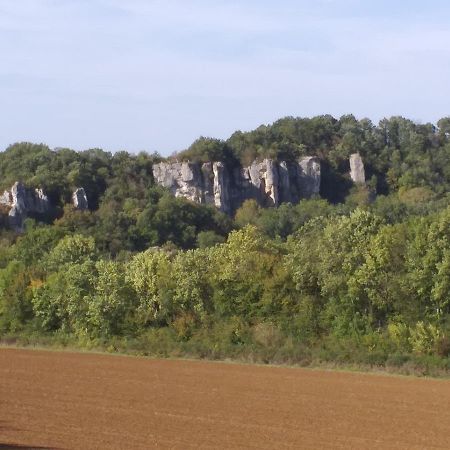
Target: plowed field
[90,401]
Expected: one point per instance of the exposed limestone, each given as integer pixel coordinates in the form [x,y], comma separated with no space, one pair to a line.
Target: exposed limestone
[21,202]
[271,182]
[5,198]
[357,172]
[183,179]
[41,203]
[164,174]
[284,177]
[264,176]
[79,199]
[221,187]
[268,182]
[309,176]
[260,181]
[208,183]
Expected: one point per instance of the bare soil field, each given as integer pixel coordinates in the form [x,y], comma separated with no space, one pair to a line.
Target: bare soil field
[90,401]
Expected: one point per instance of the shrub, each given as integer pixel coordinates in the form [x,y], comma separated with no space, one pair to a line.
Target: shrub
[424,338]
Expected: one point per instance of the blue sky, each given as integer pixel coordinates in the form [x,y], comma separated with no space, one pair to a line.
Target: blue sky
[155,75]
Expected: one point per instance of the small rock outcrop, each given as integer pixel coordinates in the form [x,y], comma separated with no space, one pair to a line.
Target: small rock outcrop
[309,176]
[40,201]
[183,179]
[208,182]
[357,172]
[221,188]
[22,202]
[269,182]
[79,199]
[261,178]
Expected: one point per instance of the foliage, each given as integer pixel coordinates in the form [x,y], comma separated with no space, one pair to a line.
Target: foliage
[360,276]
[148,274]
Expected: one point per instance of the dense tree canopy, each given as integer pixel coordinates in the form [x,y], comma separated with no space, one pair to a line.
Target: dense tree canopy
[361,275]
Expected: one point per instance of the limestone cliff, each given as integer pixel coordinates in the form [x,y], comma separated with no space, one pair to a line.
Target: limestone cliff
[183,179]
[357,172]
[268,182]
[221,188]
[79,199]
[21,202]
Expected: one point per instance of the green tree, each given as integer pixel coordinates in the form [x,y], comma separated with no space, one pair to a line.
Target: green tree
[110,304]
[72,249]
[15,305]
[192,289]
[148,273]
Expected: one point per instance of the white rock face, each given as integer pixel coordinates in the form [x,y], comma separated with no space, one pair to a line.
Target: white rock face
[357,172]
[164,174]
[284,178]
[271,179]
[22,202]
[41,203]
[208,183]
[268,182]
[79,199]
[6,199]
[309,176]
[183,179]
[221,188]
[263,181]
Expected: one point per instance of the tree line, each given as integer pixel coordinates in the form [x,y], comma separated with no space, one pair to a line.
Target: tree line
[360,279]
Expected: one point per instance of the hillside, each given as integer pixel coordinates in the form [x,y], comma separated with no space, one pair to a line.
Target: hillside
[181,255]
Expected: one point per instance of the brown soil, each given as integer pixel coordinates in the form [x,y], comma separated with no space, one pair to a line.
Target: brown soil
[90,401]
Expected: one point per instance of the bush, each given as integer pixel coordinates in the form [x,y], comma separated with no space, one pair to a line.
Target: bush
[424,338]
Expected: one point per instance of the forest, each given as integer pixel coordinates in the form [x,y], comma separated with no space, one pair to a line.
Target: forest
[358,275]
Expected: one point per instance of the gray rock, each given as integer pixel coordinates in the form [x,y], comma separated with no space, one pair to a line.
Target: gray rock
[6,199]
[164,174]
[284,177]
[221,188]
[18,206]
[22,202]
[268,182]
[271,184]
[357,172]
[187,172]
[309,176]
[261,181]
[208,183]
[79,199]
[183,179]
[41,202]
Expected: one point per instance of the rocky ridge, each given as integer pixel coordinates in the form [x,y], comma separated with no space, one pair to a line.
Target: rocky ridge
[21,202]
[79,199]
[269,182]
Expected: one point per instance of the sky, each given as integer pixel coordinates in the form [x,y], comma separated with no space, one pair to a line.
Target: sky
[155,75]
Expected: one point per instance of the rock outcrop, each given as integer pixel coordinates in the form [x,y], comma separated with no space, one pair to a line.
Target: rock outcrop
[261,181]
[309,175]
[183,179]
[357,172]
[22,202]
[268,182]
[221,188]
[79,199]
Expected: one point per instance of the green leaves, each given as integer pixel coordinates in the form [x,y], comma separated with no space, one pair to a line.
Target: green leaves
[72,249]
[110,302]
[148,274]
